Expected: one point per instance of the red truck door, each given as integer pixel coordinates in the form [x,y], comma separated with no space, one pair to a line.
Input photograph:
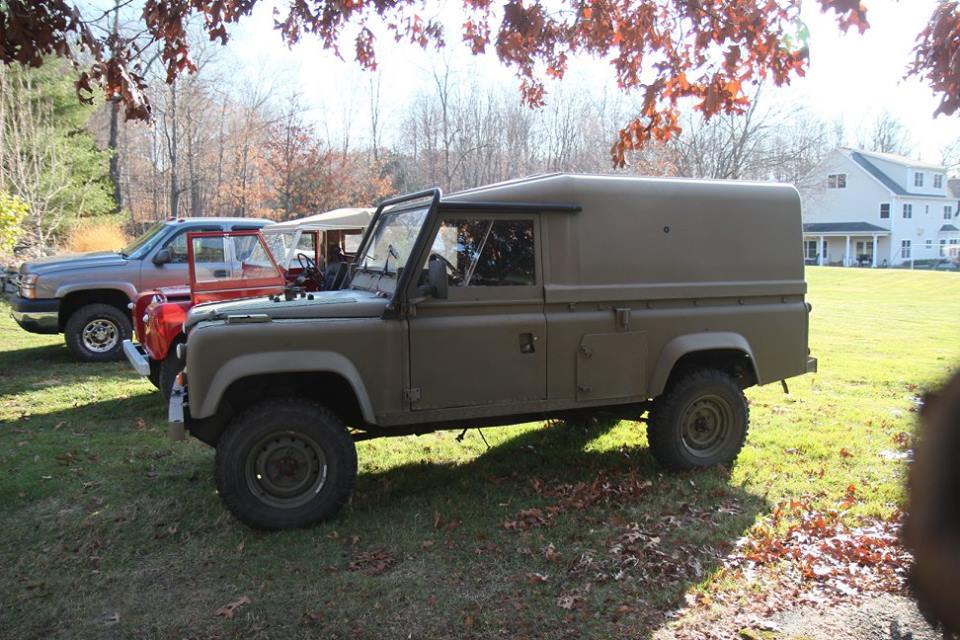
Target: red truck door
[231,264]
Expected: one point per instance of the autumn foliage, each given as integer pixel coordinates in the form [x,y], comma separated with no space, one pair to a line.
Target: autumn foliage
[670,52]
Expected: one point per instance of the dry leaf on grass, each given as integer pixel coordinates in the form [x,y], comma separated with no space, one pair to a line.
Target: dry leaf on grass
[371,563]
[229,610]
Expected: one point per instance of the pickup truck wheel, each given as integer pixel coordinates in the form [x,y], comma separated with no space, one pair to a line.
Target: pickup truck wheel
[169,368]
[699,422]
[95,333]
[284,464]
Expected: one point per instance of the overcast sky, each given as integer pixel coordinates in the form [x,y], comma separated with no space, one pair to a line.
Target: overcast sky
[851,77]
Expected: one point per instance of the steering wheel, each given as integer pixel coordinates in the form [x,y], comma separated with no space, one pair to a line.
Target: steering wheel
[454,272]
[309,267]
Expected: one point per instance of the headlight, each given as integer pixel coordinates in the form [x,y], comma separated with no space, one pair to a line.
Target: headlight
[28,285]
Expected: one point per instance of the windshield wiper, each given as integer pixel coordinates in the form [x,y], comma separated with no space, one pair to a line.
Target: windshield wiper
[391,252]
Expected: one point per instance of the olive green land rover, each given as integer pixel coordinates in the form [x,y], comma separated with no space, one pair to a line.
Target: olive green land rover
[553,296]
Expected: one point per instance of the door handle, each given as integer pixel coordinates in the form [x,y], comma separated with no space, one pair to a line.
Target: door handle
[220,273]
[528,343]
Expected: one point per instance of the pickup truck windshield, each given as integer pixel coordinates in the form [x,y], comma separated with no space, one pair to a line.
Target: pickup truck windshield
[393,240]
[144,243]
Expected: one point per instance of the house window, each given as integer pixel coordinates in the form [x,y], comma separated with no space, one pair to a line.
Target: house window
[885,210]
[837,181]
[943,247]
[905,249]
[926,209]
[938,181]
[947,212]
[918,179]
[810,249]
[908,211]
[929,244]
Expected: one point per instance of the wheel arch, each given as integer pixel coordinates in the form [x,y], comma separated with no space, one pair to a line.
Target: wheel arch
[72,300]
[325,377]
[727,351]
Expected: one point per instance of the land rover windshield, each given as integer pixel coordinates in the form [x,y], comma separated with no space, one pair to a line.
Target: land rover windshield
[392,241]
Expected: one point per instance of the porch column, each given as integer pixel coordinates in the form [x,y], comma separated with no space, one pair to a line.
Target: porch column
[846,254]
[876,248]
[820,251]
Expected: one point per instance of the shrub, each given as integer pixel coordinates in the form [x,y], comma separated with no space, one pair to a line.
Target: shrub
[104,234]
[13,210]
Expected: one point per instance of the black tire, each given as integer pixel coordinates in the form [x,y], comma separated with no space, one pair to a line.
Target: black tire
[306,444]
[154,376]
[700,421]
[95,333]
[169,368]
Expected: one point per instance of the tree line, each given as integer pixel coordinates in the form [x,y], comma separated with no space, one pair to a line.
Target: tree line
[248,149]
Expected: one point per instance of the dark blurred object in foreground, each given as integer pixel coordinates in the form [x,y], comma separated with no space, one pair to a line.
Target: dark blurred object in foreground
[932,529]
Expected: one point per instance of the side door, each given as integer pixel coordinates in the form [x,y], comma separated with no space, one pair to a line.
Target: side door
[232,264]
[485,343]
[175,270]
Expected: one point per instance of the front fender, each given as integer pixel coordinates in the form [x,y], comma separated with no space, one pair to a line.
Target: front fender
[252,364]
[692,343]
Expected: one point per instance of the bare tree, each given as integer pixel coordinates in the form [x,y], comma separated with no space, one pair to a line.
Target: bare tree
[887,134]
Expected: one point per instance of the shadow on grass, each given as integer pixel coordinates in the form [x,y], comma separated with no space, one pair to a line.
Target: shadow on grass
[30,368]
[626,563]
[620,565]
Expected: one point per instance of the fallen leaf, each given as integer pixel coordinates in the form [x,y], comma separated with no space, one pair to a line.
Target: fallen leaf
[107,617]
[229,610]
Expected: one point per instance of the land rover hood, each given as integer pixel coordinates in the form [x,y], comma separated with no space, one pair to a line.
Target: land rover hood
[326,304]
[85,261]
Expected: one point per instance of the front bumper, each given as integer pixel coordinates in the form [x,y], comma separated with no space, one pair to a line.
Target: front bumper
[811,364]
[176,424]
[137,357]
[36,316]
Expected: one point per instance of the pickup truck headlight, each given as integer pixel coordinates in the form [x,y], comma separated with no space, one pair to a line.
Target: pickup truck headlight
[28,286]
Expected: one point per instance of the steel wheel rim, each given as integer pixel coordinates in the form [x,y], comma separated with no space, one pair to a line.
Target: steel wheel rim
[100,335]
[705,424]
[286,469]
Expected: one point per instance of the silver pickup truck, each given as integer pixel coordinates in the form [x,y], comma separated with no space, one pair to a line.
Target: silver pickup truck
[85,296]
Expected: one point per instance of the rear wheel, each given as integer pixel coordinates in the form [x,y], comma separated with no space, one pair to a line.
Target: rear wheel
[95,333]
[699,422]
[284,464]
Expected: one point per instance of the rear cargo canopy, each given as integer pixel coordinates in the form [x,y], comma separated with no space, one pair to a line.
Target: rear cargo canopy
[667,234]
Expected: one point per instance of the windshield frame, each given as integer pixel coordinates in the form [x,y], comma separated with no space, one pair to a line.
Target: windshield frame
[145,242]
[403,276]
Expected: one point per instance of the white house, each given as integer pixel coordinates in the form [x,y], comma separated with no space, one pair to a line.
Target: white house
[877,209]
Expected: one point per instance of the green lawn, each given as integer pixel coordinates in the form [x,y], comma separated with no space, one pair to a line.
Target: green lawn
[109,530]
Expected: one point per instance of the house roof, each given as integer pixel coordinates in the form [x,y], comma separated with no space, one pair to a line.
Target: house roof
[948,227]
[843,227]
[861,158]
[901,160]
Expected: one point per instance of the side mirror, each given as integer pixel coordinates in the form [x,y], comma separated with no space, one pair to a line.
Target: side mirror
[162,257]
[437,279]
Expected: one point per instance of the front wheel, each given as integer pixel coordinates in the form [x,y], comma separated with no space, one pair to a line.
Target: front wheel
[284,464]
[699,422]
[95,333]
[168,370]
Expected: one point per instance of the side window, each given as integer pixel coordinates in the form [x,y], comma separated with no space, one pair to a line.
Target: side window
[177,246]
[209,259]
[488,253]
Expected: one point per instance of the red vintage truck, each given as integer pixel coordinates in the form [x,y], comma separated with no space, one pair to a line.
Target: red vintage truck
[288,258]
